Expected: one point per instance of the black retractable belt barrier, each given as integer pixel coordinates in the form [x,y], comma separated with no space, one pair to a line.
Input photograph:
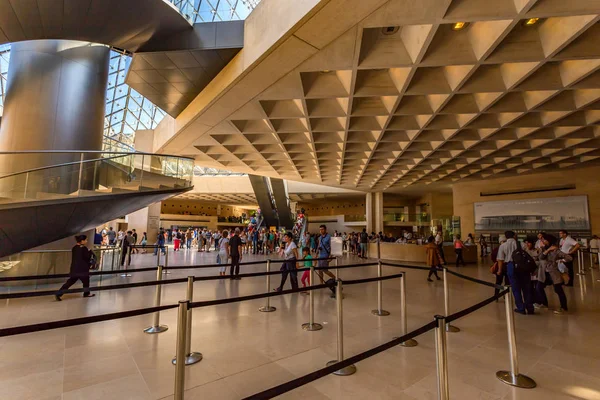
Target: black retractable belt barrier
[55,276]
[20,295]
[473,308]
[313,376]
[44,326]
[481,282]
[207,303]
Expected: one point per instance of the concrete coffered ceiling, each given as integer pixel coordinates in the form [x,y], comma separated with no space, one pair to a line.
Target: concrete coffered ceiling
[398,100]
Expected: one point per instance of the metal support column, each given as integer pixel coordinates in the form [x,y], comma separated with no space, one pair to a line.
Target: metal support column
[441,358]
[267,307]
[311,325]
[156,326]
[380,312]
[191,357]
[449,328]
[409,342]
[513,377]
[351,369]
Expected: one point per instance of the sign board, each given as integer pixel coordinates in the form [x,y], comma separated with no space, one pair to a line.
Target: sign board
[533,215]
[153,222]
[336,246]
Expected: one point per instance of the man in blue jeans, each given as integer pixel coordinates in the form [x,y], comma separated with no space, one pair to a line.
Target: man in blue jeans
[160,242]
[520,281]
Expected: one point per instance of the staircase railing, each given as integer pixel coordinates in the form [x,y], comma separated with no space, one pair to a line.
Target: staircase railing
[57,174]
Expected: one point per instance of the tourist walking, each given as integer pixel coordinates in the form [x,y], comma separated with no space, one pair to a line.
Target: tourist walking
[235,252]
[223,255]
[458,249]
[82,259]
[290,255]
[553,258]
[434,260]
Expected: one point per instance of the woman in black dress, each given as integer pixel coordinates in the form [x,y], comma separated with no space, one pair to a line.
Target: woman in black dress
[81,261]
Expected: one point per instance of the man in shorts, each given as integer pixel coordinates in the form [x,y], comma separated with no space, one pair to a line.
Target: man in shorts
[324,251]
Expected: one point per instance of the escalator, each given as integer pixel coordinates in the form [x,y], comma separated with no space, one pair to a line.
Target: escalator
[46,204]
[273,200]
[264,198]
[282,203]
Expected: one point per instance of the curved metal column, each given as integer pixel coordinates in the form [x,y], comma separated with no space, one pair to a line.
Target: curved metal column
[55,100]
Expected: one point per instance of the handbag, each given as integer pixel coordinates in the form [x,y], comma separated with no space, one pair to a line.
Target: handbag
[494,268]
[218,258]
[565,277]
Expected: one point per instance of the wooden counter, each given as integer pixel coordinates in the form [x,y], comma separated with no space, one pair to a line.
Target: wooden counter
[417,254]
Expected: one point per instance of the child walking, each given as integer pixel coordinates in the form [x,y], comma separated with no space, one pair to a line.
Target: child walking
[307,264]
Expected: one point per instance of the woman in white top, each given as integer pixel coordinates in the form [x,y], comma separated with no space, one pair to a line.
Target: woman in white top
[223,252]
[290,254]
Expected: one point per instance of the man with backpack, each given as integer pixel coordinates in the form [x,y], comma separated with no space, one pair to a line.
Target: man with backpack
[363,240]
[518,265]
[324,249]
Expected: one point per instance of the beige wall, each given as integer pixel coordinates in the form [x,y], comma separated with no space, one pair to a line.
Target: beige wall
[328,207]
[585,180]
[195,207]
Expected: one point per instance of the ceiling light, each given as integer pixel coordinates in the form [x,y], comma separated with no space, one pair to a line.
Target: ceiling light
[457,26]
[531,21]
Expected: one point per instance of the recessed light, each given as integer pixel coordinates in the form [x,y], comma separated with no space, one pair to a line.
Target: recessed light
[457,26]
[390,30]
[531,21]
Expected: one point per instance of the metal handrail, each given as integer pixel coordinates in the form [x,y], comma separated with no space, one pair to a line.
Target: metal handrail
[56,166]
[140,153]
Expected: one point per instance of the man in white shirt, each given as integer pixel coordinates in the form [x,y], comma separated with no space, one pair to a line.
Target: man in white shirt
[595,247]
[519,281]
[568,245]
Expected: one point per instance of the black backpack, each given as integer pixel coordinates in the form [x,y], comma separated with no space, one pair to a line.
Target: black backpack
[364,238]
[523,261]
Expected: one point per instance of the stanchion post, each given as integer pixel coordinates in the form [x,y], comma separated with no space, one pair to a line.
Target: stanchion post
[580,265]
[180,349]
[165,271]
[311,325]
[267,307]
[156,326]
[380,312]
[449,328]
[191,357]
[513,377]
[404,317]
[378,249]
[441,358]
[351,369]
[112,261]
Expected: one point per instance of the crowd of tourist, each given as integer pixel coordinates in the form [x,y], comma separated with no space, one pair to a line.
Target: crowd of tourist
[528,267]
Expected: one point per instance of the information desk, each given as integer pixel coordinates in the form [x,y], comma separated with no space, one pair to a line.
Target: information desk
[417,253]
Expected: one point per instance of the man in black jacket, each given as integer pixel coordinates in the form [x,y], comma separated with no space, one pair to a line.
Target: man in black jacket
[235,245]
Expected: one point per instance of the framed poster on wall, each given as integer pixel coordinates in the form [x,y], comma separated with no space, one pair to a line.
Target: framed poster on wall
[533,215]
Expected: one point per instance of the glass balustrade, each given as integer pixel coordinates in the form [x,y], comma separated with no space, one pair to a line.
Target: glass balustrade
[50,175]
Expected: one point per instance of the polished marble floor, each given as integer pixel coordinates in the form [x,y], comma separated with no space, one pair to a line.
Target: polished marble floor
[246,351]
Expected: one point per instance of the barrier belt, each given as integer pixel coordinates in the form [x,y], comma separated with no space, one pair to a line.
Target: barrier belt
[255,296]
[313,376]
[343,266]
[44,326]
[493,285]
[20,295]
[389,264]
[92,273]
[469,310]
[229,265]
[119,271]
[367,280]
